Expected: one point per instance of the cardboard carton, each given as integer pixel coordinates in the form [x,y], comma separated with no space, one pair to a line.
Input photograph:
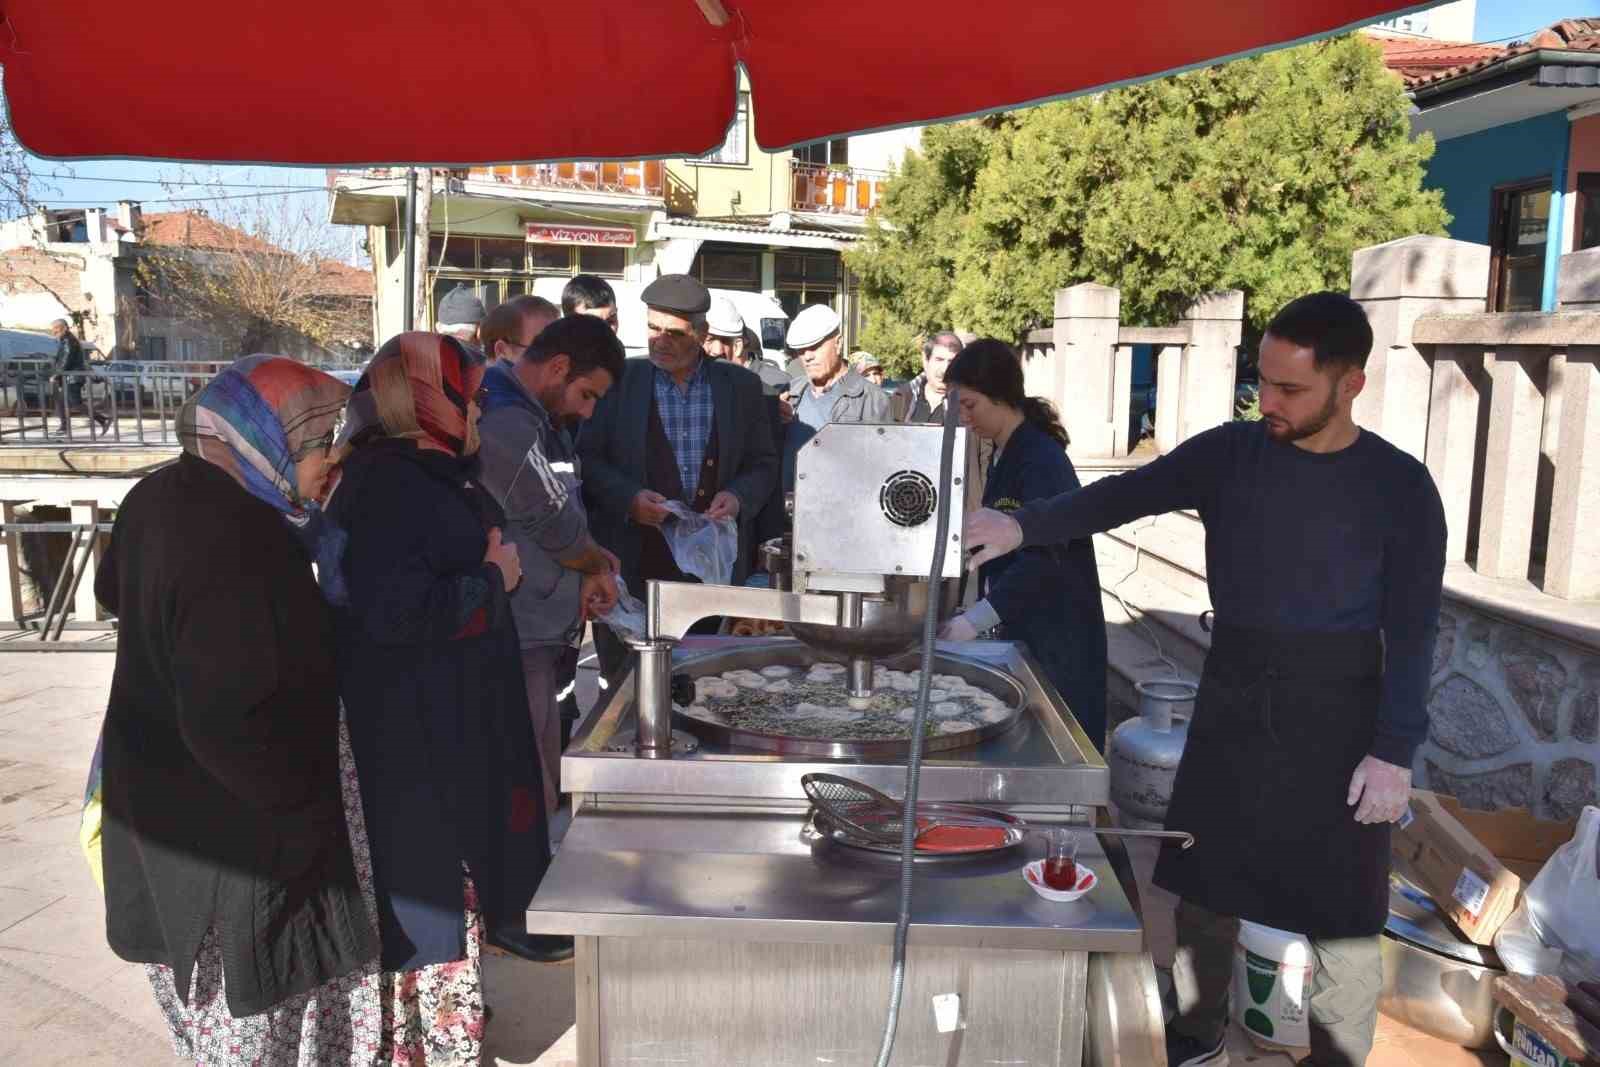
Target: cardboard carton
[1465,878]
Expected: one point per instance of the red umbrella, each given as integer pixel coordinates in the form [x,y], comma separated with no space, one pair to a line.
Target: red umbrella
[477,81]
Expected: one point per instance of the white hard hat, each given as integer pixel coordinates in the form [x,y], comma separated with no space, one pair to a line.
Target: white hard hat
[815,323]
[724,320]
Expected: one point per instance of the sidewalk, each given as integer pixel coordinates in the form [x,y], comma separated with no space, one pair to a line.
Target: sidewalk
[65,1000]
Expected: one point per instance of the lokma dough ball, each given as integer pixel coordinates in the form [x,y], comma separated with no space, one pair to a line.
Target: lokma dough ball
[956,726]
[714,689]
[746,679]
[775,671]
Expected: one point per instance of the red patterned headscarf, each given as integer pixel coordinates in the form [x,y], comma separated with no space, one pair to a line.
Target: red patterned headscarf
[417,387]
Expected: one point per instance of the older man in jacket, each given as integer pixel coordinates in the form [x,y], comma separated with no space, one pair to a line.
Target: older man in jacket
[826,390]
[680,427]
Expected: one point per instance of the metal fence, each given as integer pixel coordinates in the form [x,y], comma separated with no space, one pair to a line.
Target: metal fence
[40,628]
[117,403]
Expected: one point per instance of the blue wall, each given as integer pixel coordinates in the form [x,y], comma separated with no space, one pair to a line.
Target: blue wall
[1468,168]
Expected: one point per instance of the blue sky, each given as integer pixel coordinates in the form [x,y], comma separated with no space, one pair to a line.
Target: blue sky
[1500,19]
[107,181]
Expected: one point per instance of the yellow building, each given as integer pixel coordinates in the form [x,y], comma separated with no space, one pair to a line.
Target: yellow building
[738,218]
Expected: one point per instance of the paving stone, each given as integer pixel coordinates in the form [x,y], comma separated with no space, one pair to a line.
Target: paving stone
[1465,719]
[1536,680]
[1508,787]
[1586,717]
[1570,786]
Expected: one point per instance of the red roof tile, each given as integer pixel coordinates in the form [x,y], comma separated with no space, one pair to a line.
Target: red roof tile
[195,229]
[1421,62]
[341,279]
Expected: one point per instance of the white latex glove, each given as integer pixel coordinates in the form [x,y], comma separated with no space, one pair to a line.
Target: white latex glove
[958,629]
[1383,790]
[992,533]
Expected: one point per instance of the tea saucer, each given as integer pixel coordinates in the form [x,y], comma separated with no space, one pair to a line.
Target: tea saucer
[1033,874]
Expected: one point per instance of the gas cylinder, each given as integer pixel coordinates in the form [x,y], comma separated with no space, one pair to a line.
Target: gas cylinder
[1145,751]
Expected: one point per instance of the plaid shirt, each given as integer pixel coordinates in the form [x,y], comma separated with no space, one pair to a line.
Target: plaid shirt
[687,416]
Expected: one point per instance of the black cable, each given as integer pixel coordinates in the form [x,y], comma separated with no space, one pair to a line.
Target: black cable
[930,629]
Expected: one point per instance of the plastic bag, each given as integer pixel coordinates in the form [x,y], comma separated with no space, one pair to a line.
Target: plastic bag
[626,617]
[1558,920]
[702,547]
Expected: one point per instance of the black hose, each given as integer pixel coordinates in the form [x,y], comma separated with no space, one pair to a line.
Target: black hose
[930,631]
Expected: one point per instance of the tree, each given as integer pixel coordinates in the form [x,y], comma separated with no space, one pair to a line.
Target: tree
[268,280]
[1263,174]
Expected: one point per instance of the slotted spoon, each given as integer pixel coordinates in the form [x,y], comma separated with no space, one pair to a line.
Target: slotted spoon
[864,811]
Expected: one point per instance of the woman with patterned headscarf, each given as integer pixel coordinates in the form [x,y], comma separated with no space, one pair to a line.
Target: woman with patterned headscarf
[432,679]
[224,845]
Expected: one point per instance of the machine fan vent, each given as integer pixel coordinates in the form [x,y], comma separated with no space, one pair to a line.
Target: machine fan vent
[908,498]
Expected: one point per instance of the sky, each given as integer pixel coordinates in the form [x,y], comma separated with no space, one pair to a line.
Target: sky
[102,183]
[1503,19]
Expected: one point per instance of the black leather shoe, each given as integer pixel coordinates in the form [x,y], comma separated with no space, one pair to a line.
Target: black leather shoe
[538,948]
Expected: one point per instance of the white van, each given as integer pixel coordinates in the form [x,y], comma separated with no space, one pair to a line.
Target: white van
[761,313]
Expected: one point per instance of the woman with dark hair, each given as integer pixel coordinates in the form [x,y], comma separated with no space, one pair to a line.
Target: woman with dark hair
[1049,596]
[229,870]
[432,684]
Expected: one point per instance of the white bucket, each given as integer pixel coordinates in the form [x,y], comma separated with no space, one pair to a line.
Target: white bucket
[1272,985]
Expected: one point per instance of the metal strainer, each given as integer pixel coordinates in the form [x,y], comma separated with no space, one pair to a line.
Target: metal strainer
[855,807]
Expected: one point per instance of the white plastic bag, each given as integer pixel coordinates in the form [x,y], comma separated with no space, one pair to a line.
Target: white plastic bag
[1561,909]
[702,547]
[626,617]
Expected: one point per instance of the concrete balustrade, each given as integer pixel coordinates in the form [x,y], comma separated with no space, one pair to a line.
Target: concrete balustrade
[1084,365]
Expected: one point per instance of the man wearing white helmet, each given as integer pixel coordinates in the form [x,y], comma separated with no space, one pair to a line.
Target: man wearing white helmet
[826,390]
[727,338]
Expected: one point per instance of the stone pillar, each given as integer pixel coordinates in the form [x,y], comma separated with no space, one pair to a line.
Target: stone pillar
[1572,567]
[1578,287]
[84,606]
[1122,400]
[1511,464]
[1169,397]
[1087,319]
[1452,440]
[1216,326]
[1397,282]
[10,574]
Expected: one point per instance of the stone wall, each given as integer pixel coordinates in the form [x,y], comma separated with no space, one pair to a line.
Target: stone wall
[1515,717]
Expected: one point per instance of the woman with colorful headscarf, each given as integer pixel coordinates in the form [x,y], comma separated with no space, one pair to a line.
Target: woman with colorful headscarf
[228,866]
[431,673]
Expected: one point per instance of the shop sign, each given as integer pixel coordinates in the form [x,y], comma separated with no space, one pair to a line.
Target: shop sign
[554,233]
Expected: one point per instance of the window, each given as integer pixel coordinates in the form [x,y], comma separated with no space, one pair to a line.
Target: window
[1518,234]
[458,252]
[1586,228]
[807,278]
[835,152]
[593,259]
[189,349]
[736,149]
[729,270]
[502,253]
[153,349]
[551,259]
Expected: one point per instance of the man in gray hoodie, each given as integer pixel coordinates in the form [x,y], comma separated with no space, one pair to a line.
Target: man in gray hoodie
[528,462]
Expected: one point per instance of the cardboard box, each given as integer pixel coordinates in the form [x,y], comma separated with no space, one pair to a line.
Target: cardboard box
[1516,838]
[1465,878]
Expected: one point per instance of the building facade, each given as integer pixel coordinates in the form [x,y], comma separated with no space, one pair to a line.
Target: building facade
[1517,129]
[737,218]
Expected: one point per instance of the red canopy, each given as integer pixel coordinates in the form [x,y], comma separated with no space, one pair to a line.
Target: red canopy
[481,81]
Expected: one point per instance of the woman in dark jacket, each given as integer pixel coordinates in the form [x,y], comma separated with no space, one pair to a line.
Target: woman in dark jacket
[224,844]
[431,671]
[1047,597]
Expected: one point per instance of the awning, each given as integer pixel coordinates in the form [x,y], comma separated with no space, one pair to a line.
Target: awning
[482,81]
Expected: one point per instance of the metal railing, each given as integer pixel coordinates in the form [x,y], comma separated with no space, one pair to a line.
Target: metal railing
[835,190]
[119,403]
[36,632]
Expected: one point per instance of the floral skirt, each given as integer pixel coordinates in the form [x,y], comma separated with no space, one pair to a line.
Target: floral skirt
[429,1017]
